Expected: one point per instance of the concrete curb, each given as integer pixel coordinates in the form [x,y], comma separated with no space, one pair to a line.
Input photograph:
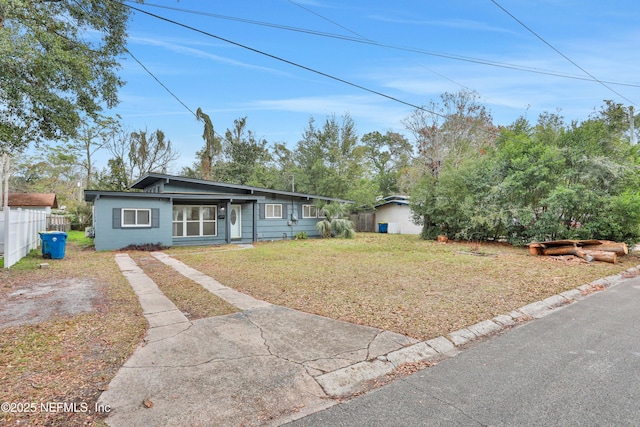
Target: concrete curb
[351,379]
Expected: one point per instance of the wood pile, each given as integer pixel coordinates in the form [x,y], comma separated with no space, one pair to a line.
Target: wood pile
[589,250]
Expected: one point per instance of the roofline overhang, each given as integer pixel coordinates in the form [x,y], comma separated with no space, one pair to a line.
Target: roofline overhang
[93,195]
[149,178]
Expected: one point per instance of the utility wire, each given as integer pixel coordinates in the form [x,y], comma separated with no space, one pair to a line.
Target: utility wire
[328,20]
[363,40]
[277,58]
[166,88]
[286,61]
[369,40]
[160,83]
[560,53]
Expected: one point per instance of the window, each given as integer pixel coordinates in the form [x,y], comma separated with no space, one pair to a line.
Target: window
[273,211]
[136,217]
[190,221]
[309,211]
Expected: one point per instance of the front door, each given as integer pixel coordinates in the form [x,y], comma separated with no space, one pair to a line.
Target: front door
[235,221]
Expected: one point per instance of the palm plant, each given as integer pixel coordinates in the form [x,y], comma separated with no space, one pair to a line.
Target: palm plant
[335,222]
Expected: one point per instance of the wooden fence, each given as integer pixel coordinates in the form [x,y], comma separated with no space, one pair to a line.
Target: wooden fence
[58,223]
[364,221]
[19,233]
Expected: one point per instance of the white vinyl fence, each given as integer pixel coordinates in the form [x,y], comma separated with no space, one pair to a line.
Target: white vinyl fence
[19,233]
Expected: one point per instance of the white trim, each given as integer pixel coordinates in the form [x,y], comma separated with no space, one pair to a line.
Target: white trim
[136,218]
[184,221]
[273,210]
[308,209]
[235,231]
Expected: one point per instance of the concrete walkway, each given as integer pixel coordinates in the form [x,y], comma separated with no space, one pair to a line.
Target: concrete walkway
[266,365]
[263,366]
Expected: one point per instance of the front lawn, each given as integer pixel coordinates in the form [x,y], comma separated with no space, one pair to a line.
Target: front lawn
[419,288]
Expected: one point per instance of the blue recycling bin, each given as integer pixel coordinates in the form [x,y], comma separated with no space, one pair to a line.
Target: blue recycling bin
[53,244]
[382,227]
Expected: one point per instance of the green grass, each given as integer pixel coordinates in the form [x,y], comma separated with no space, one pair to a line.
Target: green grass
[79,238]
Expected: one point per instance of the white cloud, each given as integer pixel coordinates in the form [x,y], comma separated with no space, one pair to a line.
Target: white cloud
[183,49]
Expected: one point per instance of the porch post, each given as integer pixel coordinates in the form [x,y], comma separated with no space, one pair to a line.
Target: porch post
[228,222]
[255,221]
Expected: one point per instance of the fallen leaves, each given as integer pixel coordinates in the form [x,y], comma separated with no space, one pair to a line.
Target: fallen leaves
[395,282]
[68,359]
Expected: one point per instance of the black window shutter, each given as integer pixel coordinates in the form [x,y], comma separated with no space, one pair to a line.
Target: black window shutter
[117,218]
[155,218]
[284,211]
[261,208]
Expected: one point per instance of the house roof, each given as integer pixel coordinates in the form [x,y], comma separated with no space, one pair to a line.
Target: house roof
[393,200]
[93,195]
[33,199]
[151,178]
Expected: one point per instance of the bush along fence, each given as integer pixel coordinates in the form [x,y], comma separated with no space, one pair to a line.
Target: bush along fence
[19,233]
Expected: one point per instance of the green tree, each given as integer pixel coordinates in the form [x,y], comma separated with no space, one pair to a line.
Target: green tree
[389,156]
[53,170]
[114,177]
[331,158]
[335,222]
[59,61]
[245,157]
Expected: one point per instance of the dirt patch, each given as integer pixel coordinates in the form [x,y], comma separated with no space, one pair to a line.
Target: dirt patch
[38,302]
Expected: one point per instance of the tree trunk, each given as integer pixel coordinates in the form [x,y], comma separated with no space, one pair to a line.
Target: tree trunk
[606,246]
[560,250]
[602,256]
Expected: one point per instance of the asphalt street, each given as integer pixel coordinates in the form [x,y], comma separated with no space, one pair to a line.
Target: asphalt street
[578,366]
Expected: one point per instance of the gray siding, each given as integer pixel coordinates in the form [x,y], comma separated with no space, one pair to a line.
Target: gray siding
[109,237]
[276,229]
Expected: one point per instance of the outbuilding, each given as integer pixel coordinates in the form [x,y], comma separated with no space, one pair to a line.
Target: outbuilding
[395,212]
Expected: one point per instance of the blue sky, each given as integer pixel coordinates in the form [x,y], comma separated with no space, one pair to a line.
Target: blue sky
[228,81]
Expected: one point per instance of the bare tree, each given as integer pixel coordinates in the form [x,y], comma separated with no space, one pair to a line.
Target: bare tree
[140,152]
[451,130]
[90,139]
[150,152]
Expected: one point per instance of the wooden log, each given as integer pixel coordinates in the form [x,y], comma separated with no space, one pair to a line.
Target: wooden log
[535,249]
[560,250]
[606,246]
[604,256]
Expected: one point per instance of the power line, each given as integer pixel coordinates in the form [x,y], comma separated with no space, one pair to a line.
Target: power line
[560,53]
[277,58]
[321,73]
[363,40]
[159,82]
[369,40]
[328,20]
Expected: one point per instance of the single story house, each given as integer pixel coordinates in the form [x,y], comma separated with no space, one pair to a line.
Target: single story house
[396,213]
[34,201]
[179,211]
